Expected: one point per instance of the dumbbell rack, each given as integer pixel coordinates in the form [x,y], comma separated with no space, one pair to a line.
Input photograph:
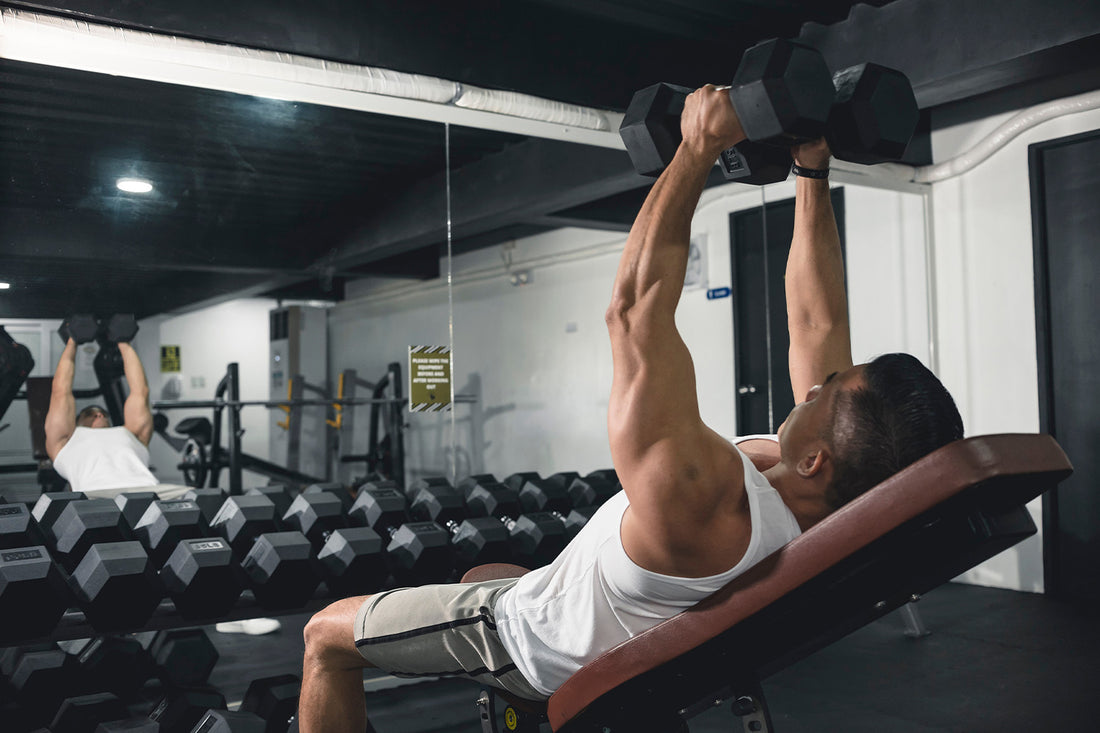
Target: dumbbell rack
[74,625]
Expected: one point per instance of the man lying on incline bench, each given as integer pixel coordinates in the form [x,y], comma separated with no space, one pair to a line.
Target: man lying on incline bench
[695,511]
[85,449]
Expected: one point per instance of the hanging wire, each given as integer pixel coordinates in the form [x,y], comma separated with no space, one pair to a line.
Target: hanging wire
[450,301]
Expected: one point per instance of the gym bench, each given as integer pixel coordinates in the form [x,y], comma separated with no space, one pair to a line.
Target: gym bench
[939,517]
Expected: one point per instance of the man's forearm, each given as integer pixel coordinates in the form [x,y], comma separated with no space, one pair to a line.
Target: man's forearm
[657,248]
[61,417]
[135,373]
[815,266]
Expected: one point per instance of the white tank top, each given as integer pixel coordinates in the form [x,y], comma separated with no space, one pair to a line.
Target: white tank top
[104,458]
[557,618]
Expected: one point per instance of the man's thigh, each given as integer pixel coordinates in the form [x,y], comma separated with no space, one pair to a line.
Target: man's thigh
[439,631]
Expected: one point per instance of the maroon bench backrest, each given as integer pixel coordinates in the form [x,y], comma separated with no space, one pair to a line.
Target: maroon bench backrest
[941,475]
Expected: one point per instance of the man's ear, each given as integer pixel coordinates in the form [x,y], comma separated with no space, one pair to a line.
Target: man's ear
[812,462]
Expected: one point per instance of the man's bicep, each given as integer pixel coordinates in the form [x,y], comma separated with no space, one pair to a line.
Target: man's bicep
[653,393]
[60,423]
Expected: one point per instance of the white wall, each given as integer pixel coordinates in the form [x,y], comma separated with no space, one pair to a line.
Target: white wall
[986,303]
[541,351]
[209,339]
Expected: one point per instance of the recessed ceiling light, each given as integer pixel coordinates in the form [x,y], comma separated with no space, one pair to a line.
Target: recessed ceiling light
[134,185]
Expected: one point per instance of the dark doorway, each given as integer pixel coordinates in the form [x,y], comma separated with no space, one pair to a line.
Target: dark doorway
[1065,178]
[759,241]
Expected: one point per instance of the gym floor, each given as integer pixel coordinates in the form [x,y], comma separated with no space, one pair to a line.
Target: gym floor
[995,661]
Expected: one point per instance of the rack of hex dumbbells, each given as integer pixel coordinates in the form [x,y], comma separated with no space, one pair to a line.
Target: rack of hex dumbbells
[91,573]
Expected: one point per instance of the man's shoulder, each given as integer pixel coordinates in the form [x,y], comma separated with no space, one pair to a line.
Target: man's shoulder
[763,451]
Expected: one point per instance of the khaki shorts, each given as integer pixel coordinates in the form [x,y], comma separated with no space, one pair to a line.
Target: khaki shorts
[440,631]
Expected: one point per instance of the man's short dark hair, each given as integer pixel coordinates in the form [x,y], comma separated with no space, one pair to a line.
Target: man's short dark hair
[89,410]
[902,413]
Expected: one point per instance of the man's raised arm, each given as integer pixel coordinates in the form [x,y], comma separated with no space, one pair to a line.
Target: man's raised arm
[61,417]
[817,306]
[674,470]
[136,412]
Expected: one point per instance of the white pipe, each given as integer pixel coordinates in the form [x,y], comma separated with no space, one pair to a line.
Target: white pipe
[1012,128]
[1000,137]
[76,44]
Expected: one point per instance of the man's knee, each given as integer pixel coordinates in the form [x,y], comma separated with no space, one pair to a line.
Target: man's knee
[330,634]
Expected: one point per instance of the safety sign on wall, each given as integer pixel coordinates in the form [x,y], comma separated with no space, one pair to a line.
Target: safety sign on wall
[170,358]
[429,378]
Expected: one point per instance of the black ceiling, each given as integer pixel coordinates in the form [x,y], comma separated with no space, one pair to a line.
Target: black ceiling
[258,196]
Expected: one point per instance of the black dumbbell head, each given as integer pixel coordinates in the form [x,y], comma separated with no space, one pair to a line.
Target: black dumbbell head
[202,578]
[756,164]
[353,561]
[81,714]
[576,519]
[336,489]
[50,505]
[33,594]
[592,490]
[437,503]
[17,527]
[41,675]
[420,552]
[315,515]
[80,327]
[537,538]
[492,499]
[241,519]
[181,710]
[782,93]
[209,501]
[133,505]
[82,524]
[224,721]
[543,495]
[874,115]
[166,523]
[116,664]
[481,540]
[183,657]
[651,127]
[382,508]
[280,570]
[277,493]
[516,481]
[116,586]
[121,327]
[275,699]
[467,484]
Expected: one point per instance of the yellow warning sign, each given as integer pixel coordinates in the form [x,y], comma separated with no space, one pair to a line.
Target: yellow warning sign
[170,358]
[429,378]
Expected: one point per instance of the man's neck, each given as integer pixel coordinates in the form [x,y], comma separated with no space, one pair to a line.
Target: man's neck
[802,496]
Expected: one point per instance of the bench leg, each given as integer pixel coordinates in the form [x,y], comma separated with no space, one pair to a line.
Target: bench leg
[750,706]
[914,624]
[515,720]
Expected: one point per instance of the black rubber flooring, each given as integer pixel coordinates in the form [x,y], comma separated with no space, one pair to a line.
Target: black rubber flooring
[996,661]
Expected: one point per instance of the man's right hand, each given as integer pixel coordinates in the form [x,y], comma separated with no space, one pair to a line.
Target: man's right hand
[709,123]
[814,154]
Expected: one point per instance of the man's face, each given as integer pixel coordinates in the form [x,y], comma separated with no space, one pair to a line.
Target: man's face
[810,418]
[94,419]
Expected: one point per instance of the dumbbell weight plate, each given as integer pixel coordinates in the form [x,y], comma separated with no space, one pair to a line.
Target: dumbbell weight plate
[782,93]
[873,116]
[121,327]
[33,594]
